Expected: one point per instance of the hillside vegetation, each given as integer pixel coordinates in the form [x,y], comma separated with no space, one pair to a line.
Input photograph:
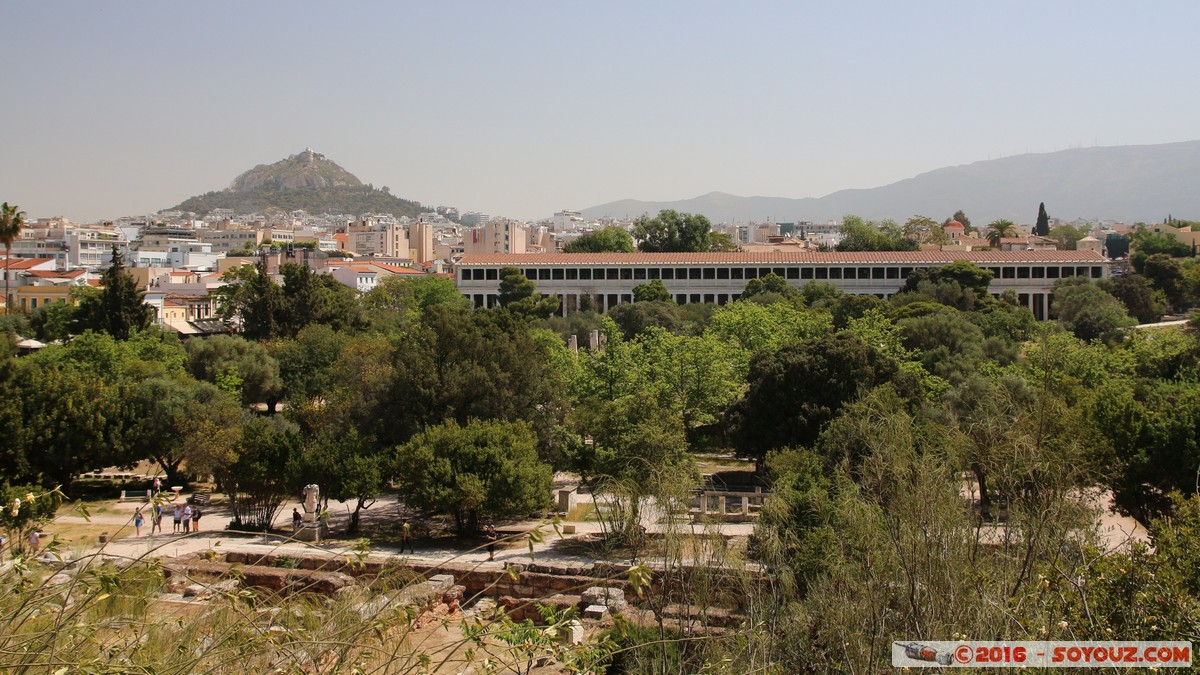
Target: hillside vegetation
[307,181]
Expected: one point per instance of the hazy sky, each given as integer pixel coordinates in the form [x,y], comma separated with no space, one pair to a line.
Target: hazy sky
[523,108]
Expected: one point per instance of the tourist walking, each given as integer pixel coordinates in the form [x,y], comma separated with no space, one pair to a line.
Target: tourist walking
[156,519]
[490,533]
[138,519]
[295,520]
[406,537]
[35,541]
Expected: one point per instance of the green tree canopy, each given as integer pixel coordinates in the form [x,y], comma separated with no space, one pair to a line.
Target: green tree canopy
[460,365]
[1000,229]
[755,327]
[71,422]
[609,239]
[1067,236]
[1153,430]
[178,420]
[347,467]
[100,355]
[852,306]
[399,298]
[1146,242]
[638,448]
[245,368]
[671,231]
[53,321]
[1042,227]
[961,217]
[863,235]
[1143,302]
[1087,311]
[306,361]
[1166,275]
[481,470]
[654,291]
[310,298]
[636,318]
[967,274]
[119,309]
[947,344]
[923,229]
[252,297]
[795,391]
[771,283]
[254,476]
[518,294]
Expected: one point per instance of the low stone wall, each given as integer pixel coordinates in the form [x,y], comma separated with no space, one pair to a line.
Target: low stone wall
[598,589]
[276,579]
[528,581]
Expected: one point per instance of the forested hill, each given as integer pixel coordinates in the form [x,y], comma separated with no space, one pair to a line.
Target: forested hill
[307,181]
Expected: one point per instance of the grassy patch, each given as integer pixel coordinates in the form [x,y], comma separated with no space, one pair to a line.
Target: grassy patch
[715,463]
[86,535]
[582,513]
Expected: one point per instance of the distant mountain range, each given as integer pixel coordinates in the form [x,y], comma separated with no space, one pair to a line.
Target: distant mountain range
[307,181]
[1126,183]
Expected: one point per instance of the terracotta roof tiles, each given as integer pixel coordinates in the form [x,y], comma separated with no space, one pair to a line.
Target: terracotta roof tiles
[781,257]
[25,263]
[52,274]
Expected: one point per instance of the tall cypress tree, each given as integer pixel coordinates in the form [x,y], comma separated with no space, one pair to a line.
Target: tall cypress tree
[1042,228]
[119,309]
[262,305]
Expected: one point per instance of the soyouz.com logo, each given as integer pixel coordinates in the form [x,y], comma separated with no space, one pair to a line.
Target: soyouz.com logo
[956,654]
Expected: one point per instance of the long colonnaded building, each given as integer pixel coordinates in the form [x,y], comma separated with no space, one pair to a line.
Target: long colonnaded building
[609,278]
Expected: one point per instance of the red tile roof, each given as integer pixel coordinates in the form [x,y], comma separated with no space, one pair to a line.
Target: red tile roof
[781,257]
[373,267]
[397,269]
[53,274]
[26,263]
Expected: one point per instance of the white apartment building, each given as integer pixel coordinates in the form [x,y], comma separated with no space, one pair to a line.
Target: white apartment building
[177,254]
[567,221]
[364,276]
[475,219]
[91,247]
[217,215]
[609,278]
[238,237]
[232,239]
[42,243]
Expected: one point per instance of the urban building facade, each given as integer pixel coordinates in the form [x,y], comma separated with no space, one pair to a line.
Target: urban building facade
[609,278]
[498,236]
